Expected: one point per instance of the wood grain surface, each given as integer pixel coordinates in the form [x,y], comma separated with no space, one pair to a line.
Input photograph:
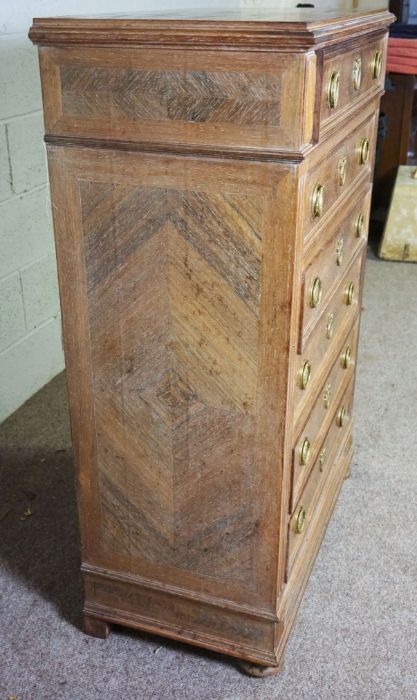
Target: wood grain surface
[204,99]
[189,361]
[181,186]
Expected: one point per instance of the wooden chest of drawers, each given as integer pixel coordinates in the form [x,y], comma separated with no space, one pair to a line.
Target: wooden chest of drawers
[211,181]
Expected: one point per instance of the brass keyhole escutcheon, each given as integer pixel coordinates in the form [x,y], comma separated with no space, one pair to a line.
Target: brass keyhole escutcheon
[357,73]
[342,170]
[300,521]
[341,417]
[327,396]
[339,252]
[305,451]
[363,151]
[317,201]
[376,65]
[360,225]
[305,374]
[346,357]
[350,294]
[329,326]
[322,458]
[316,293]
[333,89]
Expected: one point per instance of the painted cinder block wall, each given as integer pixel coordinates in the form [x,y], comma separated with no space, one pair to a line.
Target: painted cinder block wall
[30,329]
[30,333]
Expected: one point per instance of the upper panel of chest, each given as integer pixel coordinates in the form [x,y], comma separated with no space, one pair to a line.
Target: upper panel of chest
[237,101]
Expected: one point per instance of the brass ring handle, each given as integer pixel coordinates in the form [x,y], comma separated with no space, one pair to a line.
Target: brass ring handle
[350,294]
[305,451]
[339,252]
[333,89]
[357,73]
[305,374]
[342,170]
[346,357]
[360,225]
[363,151]
[316,293]
[327,396]
[341,417]
[376,65]
[317,201]
[329,326]
[300,521]
[322,458]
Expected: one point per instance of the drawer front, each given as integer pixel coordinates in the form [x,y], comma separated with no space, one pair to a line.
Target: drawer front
[328,334]
[350,78]
[306,512]
[307,445]
[325,270]
[336,172]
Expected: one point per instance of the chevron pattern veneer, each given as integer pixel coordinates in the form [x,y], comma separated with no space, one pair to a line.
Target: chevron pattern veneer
[177,386]
[211,184]
[191,96]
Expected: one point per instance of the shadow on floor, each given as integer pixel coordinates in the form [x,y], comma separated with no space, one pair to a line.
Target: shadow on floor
[39,534]
[39,538]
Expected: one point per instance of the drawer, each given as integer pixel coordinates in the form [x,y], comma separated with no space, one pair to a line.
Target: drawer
[307,445]
[306,511]
[327,336]
[350,78]
[338,245]
[338,171]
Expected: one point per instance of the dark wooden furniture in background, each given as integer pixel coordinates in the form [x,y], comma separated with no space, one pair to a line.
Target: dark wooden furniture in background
[398,146]
[404,10]
[211,182]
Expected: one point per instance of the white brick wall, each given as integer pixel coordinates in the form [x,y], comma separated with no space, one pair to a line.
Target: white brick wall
[30,336]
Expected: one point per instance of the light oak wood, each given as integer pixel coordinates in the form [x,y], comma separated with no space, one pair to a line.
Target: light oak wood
[343,62]
[322,345]
[327,171]
[181,182]
[313,489]
[322,413]
[344,239]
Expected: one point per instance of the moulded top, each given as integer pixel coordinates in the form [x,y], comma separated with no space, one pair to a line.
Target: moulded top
[288,27]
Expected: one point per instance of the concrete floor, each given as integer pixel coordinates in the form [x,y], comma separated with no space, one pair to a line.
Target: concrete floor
[356,632]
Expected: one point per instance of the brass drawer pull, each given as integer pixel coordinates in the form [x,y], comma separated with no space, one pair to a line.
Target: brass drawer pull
[363,151]
[339,252]
[342,170]
[300,521]
[350,294]
[327,396]
[333,89]
[322,458]
[376,65]
[305,451]
[346,357]
[316,293]
[329,326]
[305,374]
[341,417]
[357,73]
[317,201]
[360,225]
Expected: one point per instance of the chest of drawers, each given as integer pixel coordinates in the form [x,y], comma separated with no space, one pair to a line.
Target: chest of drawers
[210,182]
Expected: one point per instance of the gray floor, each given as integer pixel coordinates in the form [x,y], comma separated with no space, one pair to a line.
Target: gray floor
[356,633]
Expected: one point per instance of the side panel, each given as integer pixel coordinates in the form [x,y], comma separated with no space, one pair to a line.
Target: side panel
[198,99]
[176,286]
